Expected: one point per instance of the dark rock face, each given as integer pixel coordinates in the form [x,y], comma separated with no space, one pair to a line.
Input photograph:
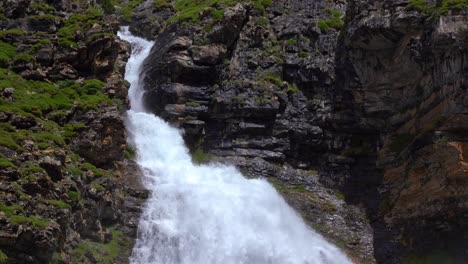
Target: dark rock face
[406,76]
[379,109]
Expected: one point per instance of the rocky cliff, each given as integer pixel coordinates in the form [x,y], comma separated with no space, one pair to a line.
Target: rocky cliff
[62,136]
[354,110]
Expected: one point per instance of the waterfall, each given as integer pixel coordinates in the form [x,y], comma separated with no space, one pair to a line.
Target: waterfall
[208,214]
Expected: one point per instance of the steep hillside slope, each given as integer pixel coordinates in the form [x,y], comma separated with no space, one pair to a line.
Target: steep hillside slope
[62,137]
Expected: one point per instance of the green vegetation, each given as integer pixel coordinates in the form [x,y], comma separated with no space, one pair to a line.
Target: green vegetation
[59,204]
[42,7]
[98,187]
[23,58]
[96,171]
[127,8]
[12,33]
[340,196]
[189,11]
[4,163]
[74,196]
[200,157]
[272,78]
[103,253]
[12,212]
[303,54]
[432,258]
[284,188]
[3,258]
[336,20]
[192,104]
[160,4]
[292,88]
[36,47]
[7,52]
[77,22]
[437,9]
[291,41]
[34,98]
[108,7]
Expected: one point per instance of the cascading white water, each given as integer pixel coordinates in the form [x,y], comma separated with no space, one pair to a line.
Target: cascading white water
[208,214]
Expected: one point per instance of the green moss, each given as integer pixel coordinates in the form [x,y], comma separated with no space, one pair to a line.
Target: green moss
[272,78]
[36,47]
[7,51]
[59,204]
[34,98]
[75,171]
[192,104]
[432,258]
[71,129]
[439,8]
[3,258]
[292,88]
[96,171]
[129,152]
[262,21]
[77,22]
[160,4]
[103,253]
[200,157]
[189,11]
[98,187]
[74,196]
[340,196]
[4,163]
[35,221]
[127,9]
[12,33]
[12,212]
[42,7]
[335,21]
[108,7]
[23,58]
[291,41]
[303,54]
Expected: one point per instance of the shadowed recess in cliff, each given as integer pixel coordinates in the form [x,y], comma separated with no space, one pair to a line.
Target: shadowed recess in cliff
[208,213]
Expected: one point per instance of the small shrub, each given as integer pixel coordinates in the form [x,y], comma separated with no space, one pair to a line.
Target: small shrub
[192,104]
[292,41]
[74,196]
[336,20]
[108,7]
[4,163]
[3,258]
[23,58]
[199,156]
[160,4]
